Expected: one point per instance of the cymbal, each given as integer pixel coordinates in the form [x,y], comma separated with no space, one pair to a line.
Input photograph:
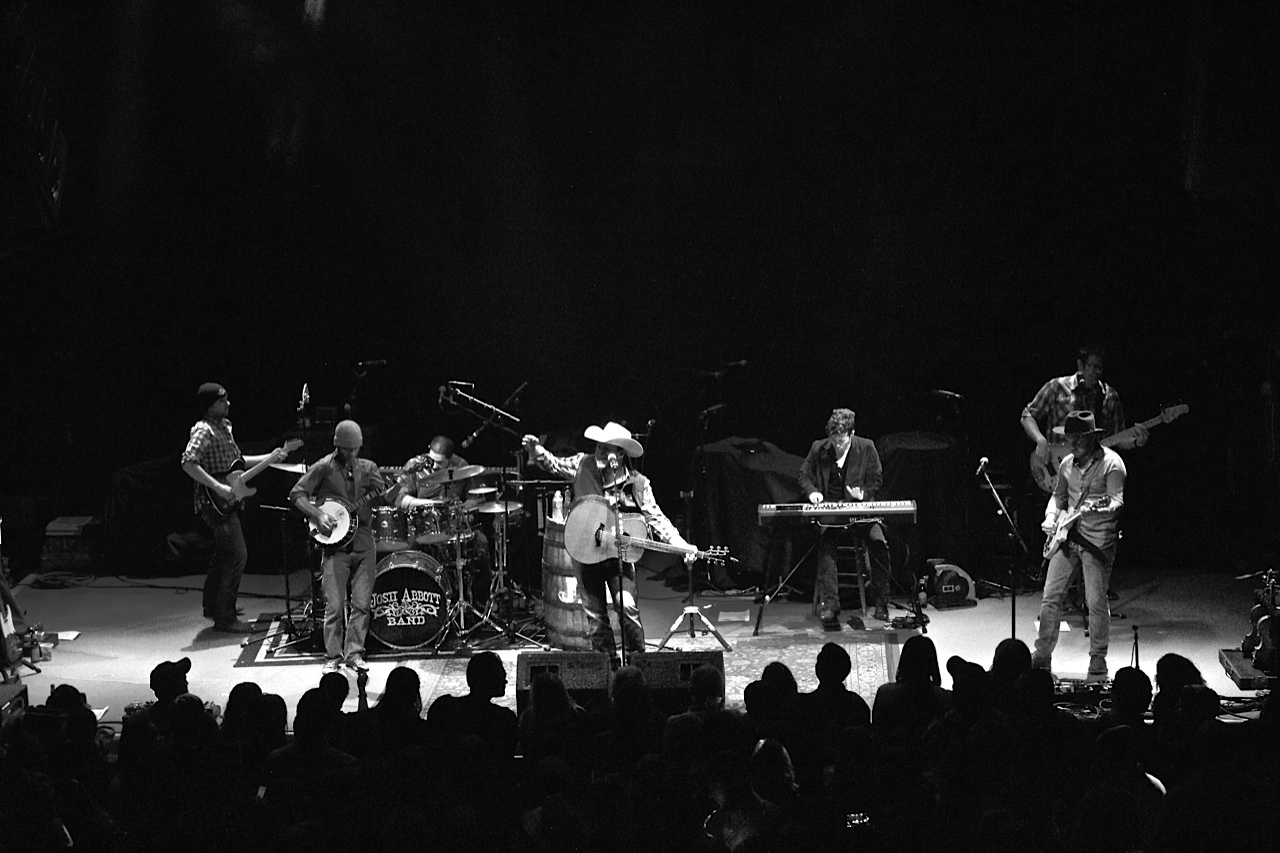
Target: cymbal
[499,507]
[485,490]
[291,467]
[449,475]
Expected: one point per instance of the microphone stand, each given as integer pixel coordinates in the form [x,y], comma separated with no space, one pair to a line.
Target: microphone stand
[1026,552]
[621,546]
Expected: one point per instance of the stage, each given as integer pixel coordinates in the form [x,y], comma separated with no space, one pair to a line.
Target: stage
[124,626]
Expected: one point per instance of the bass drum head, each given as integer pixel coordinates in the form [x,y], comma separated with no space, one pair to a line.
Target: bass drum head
[410,604]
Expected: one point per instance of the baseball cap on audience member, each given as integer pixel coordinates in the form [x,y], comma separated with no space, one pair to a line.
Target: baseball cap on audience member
[171,676]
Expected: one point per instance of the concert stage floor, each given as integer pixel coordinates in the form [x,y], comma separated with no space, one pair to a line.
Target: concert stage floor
[127,626]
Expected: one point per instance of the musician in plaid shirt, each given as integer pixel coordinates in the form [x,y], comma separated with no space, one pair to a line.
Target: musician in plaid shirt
[211,449]
[1083,390]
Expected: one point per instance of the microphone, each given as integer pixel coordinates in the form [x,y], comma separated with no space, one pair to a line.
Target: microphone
[711,410]
[742,362]
[377,362]
[466,442]
[463,384]
[613,460]
[982,466]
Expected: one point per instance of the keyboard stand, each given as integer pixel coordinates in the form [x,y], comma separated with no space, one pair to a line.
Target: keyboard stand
[778,589]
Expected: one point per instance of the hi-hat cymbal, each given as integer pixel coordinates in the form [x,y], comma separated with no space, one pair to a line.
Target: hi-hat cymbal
[291,467]
[485,490]
[499,507]
[449,475]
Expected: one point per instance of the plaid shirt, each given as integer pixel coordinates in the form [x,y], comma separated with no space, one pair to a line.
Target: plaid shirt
[213,448]
[1066,394]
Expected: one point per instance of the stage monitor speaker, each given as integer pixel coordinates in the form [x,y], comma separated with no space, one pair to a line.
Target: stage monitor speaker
[584,674]
[667,674]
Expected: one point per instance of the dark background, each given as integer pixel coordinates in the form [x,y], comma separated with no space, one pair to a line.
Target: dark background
[612,201]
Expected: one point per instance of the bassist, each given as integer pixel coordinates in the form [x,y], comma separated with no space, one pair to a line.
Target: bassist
[608,472]
[343,474]
[1090,477]
[211,447]
[1082,390]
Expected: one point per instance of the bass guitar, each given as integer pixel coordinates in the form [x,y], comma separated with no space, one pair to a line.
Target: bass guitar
[238,479]
[590,535]
[1066,521]
[1046,473]
[346,515]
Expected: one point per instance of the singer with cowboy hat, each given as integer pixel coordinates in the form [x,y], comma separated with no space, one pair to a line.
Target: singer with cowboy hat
[608,472]
[1091,476]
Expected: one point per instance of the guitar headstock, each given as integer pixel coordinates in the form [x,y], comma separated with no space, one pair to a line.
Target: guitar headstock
[716,555]
[1172,413]
[291,445]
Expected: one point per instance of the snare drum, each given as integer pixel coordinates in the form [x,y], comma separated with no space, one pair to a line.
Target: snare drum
[390,529]
[410,604]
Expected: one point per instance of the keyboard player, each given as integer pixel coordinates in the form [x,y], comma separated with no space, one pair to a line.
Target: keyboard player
[839,468]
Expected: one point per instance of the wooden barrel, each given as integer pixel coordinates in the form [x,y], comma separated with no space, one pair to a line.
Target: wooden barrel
[567,626]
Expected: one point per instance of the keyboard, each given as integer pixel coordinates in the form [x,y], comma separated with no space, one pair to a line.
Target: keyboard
[841,509]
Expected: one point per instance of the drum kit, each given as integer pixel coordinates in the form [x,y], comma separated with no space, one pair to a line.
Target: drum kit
[416,597]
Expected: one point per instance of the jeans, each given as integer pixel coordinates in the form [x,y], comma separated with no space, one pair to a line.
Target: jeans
[226,566]
[346,620]
[592,581]
[826,585]
[1069,561]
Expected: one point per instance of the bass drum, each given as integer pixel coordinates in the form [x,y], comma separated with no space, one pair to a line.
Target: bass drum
[410,604]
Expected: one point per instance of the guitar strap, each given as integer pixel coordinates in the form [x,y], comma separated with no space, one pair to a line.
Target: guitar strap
[1073,535]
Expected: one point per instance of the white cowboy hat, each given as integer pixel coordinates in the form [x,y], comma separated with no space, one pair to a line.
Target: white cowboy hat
[617,435]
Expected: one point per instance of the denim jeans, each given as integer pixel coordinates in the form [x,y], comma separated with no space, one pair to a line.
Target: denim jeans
[1064,566]
[226,566]
[826,584]
[346,619]
[592,582]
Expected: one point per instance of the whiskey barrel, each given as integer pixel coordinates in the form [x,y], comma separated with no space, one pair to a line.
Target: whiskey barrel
[567,626]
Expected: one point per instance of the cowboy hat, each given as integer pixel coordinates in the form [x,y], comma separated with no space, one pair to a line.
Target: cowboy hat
[617,435]
[1077,423]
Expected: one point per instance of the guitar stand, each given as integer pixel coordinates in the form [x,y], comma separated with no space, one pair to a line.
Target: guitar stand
[694,614]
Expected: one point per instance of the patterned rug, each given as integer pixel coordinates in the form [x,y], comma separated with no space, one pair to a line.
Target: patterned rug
[874,655]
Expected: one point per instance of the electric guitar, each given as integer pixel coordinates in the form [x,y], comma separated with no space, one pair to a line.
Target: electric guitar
[10,644]
[590,535]
[238,478]
[1066,521]
[1046,474]
[346,514]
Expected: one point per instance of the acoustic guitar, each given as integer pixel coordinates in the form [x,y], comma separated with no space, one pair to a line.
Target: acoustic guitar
[1046,474]
[590,535]
[238,479]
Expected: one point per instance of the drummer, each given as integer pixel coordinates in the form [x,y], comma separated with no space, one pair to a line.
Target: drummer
[423,489]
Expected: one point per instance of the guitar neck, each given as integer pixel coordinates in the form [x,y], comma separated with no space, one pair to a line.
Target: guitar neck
[664,547]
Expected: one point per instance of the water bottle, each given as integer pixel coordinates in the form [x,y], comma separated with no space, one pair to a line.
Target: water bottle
[557,507]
